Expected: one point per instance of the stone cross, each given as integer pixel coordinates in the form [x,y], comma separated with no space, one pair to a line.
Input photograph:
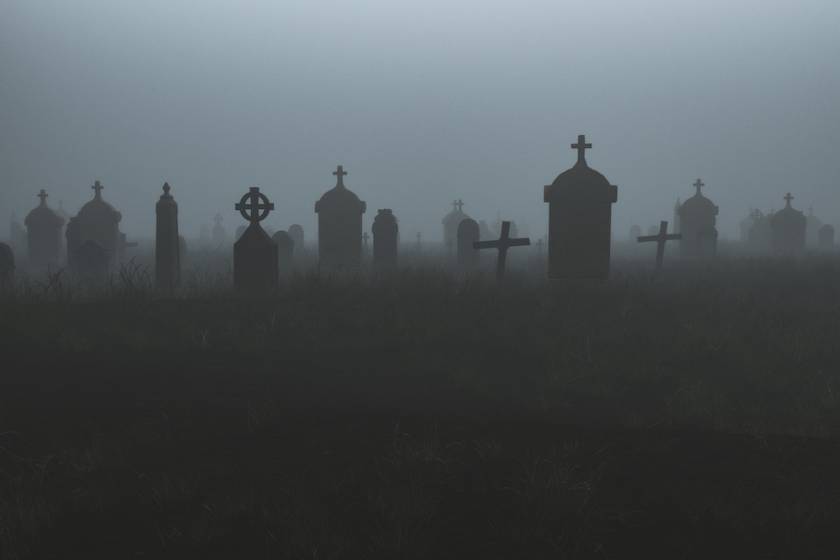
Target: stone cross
[660,239]
[43,196]
[340,173]
[97,186]
[255,257]
[581,148]
[504,243]
[699,184]
[254,206]
[788,198]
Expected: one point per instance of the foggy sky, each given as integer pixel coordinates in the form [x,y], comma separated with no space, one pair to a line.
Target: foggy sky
[422,102]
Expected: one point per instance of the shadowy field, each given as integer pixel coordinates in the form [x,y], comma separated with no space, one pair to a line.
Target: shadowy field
[426,415]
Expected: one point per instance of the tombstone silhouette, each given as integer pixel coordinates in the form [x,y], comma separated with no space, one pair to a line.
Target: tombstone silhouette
[660,238]
[91,261]
[787,230]
[254,253]
[7,265]
[502,245]
[451,222]
[296,233]
[167,243]
[44,226]
[285,251]
[579,220]
[340,225]
[697,217]
[826,237]
[99,222]
[385,238]
[468,236]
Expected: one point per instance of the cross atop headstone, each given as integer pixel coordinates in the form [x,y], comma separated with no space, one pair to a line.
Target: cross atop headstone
[581,148]
[166,189]
[457,205]
[699,184]
[254,206]
[97,186]
[339,173]
[43,196]
[660,239]
[788,198]
[504,243]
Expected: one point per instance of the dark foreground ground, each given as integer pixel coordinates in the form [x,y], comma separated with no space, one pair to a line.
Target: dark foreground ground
[423,416]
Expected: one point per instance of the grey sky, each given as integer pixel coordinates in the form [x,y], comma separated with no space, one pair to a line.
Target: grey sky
[422,102]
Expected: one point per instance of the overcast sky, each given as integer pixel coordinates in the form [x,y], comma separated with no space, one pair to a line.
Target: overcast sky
[422,102]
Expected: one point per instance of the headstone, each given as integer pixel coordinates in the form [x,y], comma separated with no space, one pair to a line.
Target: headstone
[827,237]
[759,235]
[285,251]
[386,237]
[787,230]
[254,253]
[7,265]
[167,243]
[502,244]
[296,233]
[340,225]
[450,224]
[697,225]
[579,220]
[219,232]
[660,238]
[91,261]
[44,227]
[97,221]
[468,235]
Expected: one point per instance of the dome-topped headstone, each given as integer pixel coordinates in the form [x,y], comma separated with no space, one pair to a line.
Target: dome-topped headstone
[43,227]
[787,229]
[99,222]
[340,225]
[697,217]
[451,222]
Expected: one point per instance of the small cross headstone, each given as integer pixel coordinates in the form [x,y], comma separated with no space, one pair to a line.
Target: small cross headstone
[660,239]
[468,236]
[167,243]
[285,251]
[43,233]
[7,265]
[255,267]
[581,147]
[502,245]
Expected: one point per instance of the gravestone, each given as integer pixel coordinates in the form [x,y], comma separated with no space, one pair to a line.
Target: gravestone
[219,231]
[660,238]
[97,221]
[450,224]
[296,233]
[697,217]
[254,253]
[469,234]
[502,245]
[385,238]
[579,220]
[340,225]
[7,265]
[44,227]
[91,261]
[787,230]
[285,251]
[167,242]
[826,234]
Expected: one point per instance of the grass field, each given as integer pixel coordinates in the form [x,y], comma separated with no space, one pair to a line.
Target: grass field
[427,415]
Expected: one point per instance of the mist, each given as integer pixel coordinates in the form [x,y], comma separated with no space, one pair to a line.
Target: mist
[422,102]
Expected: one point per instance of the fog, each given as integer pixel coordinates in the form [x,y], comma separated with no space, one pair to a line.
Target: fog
[422,102]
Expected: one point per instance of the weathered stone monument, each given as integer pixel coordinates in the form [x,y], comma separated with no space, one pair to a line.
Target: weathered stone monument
[285,251]
[98,222]
[502,245]
[386,238]
[826,234]
[450,224]
[219,233]
[7,265]
[468,235]
[787,230]
[697,217]
[579,220]
[296,233]
[167,243]
[255,269]
[340,225]
[43,228]
[660,238]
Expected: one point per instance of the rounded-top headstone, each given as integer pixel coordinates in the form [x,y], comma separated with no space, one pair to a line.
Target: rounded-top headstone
[468,233]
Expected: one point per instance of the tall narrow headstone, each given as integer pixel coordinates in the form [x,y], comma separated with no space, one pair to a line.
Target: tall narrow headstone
[579,220]
[285,251]
[7,265]
[167,243]
[468,236]
[254,253]
[697,217]
[296,233]
[385,238]
[788,229]
[340,225]
[43,228]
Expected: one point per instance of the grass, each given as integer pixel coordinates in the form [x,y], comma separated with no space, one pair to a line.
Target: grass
[424,414]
